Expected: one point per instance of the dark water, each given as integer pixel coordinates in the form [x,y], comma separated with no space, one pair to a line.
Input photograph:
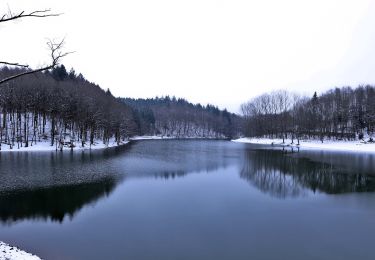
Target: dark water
[189,200]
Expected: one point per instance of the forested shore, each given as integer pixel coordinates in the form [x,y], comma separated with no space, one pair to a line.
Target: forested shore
[65,110]
[339,114]
[61,108]
[176,117]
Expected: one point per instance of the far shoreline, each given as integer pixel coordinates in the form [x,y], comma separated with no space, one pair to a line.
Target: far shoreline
[327,145]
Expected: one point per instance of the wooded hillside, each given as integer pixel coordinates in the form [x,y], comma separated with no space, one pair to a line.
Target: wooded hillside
[61,107]
[67,110]
[341,113]
[179,118]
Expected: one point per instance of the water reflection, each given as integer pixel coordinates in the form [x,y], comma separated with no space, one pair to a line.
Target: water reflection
[291,175]
[215,215]
[56,185]
[51,186]
[359,163]
[31,170]
[176,158]
[52,203]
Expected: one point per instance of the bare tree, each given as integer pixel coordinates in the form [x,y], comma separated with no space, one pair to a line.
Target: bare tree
[341,113]
[54,47]
[56,55]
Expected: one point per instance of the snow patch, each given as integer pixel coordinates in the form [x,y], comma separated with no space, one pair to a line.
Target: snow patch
[354,146]
[159,137]
[46,146]
[149,137]
[8,252]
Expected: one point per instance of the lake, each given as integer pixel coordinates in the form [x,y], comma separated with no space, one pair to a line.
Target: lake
[189,199]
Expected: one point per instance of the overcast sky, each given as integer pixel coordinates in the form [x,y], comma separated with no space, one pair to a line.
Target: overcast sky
[218,52]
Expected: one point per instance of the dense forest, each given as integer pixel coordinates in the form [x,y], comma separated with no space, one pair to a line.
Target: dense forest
[66,110]
[61,107]
[179,118]
[341,113]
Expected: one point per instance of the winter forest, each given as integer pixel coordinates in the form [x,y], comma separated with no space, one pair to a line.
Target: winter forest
[61,107]
[179,118]
[339,114]
[67,110]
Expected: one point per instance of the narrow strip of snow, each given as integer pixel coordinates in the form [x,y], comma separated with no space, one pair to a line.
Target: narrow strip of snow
[46,146]
[159,137]
[354,146]
[149,137]
[8,252]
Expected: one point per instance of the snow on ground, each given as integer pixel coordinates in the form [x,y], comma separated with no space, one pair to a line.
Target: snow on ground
[159,137]
[149,137]
[46,146]
[8,252]
[98,144]
[355,146]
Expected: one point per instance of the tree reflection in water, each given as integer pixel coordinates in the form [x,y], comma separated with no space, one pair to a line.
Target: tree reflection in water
[285,175]
[52,186]
[52,203]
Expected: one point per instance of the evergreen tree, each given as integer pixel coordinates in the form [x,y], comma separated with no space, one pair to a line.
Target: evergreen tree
[59,73]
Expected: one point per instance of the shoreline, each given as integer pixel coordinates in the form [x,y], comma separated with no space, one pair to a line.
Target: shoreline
[157,137]
[46,147]
[348,146]
[8,252]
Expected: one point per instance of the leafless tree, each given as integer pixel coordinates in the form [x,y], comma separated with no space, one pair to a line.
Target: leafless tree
[64,109]
[56,56]
[341,113]
[55,47]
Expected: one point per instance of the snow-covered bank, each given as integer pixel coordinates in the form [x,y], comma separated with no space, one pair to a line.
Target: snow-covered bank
[46,146]
[158,137]
[149,137]
[355,146]
[8,252]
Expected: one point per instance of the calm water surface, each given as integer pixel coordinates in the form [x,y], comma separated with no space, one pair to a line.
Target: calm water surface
[189,200]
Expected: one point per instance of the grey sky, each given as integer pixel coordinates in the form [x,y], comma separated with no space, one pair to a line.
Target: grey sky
[219,52]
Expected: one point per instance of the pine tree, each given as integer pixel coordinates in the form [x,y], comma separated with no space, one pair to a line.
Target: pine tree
[59,73]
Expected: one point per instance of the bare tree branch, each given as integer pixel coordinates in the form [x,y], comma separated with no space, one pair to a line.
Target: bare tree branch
[56,56]
[55,48]
[14,64]
[38,13]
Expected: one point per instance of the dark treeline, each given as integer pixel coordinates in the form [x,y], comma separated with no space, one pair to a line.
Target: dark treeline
[341,113]
[61,107]
[179,118]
